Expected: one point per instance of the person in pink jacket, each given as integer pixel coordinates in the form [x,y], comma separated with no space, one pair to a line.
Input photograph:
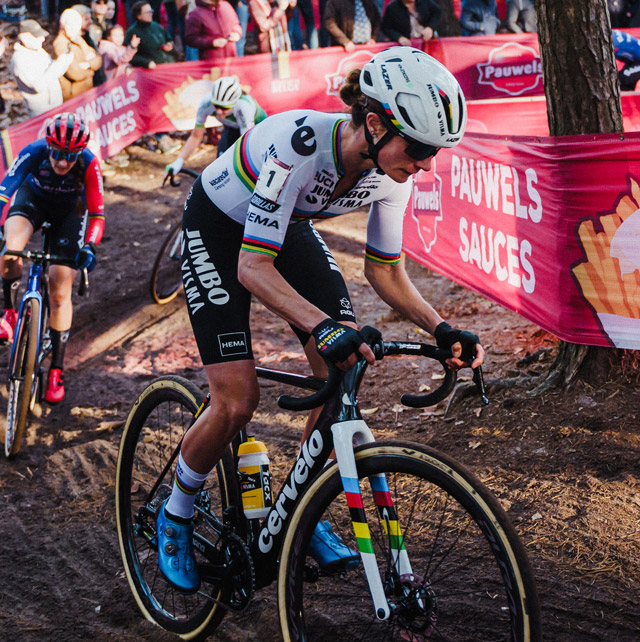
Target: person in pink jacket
[116,57]
[213,29]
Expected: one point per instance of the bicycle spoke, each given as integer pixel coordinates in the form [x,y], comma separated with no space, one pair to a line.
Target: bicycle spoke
[455,591]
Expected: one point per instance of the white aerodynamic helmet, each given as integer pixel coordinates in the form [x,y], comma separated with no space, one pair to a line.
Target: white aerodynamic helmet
[420,96]
[226,92]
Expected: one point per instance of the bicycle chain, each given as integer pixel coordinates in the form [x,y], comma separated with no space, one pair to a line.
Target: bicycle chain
[241,574]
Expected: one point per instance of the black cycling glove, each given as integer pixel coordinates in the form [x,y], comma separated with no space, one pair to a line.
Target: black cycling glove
[336,342]
[446,336]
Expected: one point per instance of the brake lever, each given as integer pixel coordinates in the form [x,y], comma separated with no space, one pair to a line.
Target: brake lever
[171,177]
[478,379]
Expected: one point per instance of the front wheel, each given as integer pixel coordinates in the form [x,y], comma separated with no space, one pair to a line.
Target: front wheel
[451,564]
[22,380]
[144,478]
[166,276]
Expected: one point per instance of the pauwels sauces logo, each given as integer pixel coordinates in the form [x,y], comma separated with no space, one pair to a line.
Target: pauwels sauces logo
[336,79]
[426,205]
[512,68]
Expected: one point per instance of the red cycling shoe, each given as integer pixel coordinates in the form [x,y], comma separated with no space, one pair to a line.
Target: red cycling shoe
[8,324]
[55,386]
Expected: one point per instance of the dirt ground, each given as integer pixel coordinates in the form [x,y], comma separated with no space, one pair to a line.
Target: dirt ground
[565,464]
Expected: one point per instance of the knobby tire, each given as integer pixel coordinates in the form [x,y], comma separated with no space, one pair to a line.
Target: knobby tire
[471,577]
[156,424]
[21,376]
[166,276]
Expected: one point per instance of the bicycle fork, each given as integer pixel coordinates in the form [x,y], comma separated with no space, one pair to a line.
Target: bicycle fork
[344,435]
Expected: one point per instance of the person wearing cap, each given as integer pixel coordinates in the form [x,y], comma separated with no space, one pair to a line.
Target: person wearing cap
[236,111]
[86,61]
[36,74]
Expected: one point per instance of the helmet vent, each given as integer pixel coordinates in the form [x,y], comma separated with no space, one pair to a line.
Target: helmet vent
[405,116]
[447,110]
[460,112]
[366,76]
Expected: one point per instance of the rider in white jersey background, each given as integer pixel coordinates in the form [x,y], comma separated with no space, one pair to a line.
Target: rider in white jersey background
[236,111]
[248,232]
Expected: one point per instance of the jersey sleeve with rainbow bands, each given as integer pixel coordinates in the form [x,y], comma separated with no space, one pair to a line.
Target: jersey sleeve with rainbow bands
[25,162]
[275,192]
[384,226]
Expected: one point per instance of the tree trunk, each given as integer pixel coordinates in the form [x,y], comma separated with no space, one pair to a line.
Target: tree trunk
[583,97]
[449,25]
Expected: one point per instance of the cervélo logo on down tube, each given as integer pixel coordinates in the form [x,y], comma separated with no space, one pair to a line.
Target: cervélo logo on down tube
[512,68]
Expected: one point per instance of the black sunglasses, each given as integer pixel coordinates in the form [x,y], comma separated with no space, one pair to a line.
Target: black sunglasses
[419,151]
[62,154]
[414,149]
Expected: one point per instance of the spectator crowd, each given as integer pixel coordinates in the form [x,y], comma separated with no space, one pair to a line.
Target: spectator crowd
[91,46]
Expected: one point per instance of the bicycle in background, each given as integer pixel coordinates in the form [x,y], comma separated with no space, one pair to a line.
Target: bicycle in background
[166,275]
[438,557]
[31,341]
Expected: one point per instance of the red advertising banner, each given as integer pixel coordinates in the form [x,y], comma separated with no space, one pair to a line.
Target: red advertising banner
[166,98]
[548,227]
[543,226]
[528,116]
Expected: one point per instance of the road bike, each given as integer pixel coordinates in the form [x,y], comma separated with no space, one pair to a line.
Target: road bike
[31,341]
[166,275]
[439,558]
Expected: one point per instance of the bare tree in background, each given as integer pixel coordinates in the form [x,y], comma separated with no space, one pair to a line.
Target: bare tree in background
[583,97]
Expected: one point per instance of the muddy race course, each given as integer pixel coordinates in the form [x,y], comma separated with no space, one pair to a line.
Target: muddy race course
[566,464]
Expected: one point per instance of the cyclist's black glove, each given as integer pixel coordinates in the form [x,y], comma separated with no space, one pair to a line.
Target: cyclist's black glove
[336,342]
[86,258]
[446,336]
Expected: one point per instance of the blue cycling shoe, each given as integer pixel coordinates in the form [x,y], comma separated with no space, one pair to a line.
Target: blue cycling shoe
[331,553]
[176,559]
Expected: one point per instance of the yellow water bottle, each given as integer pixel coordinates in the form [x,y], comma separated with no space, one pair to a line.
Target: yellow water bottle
[255,478]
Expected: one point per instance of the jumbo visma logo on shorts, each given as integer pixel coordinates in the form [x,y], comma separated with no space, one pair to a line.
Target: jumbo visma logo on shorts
[199,274]
[512,68]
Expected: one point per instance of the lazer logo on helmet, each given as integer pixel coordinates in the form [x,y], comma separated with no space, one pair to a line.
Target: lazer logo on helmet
[385,77]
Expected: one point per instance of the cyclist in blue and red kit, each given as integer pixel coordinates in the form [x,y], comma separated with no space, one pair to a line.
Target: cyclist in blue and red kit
[58,180]
[627,50]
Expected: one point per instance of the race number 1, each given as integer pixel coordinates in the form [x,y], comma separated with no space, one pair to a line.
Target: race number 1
[273,176]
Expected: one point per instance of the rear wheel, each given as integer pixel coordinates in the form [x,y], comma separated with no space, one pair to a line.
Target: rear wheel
[166,276]
[146,461]
[22,380]
[468,577]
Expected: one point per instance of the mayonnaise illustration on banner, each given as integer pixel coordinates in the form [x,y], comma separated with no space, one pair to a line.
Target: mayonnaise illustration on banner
[610,277]
[183,101]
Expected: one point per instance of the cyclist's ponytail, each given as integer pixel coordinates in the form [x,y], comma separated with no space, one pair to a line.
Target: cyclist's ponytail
[352,96]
